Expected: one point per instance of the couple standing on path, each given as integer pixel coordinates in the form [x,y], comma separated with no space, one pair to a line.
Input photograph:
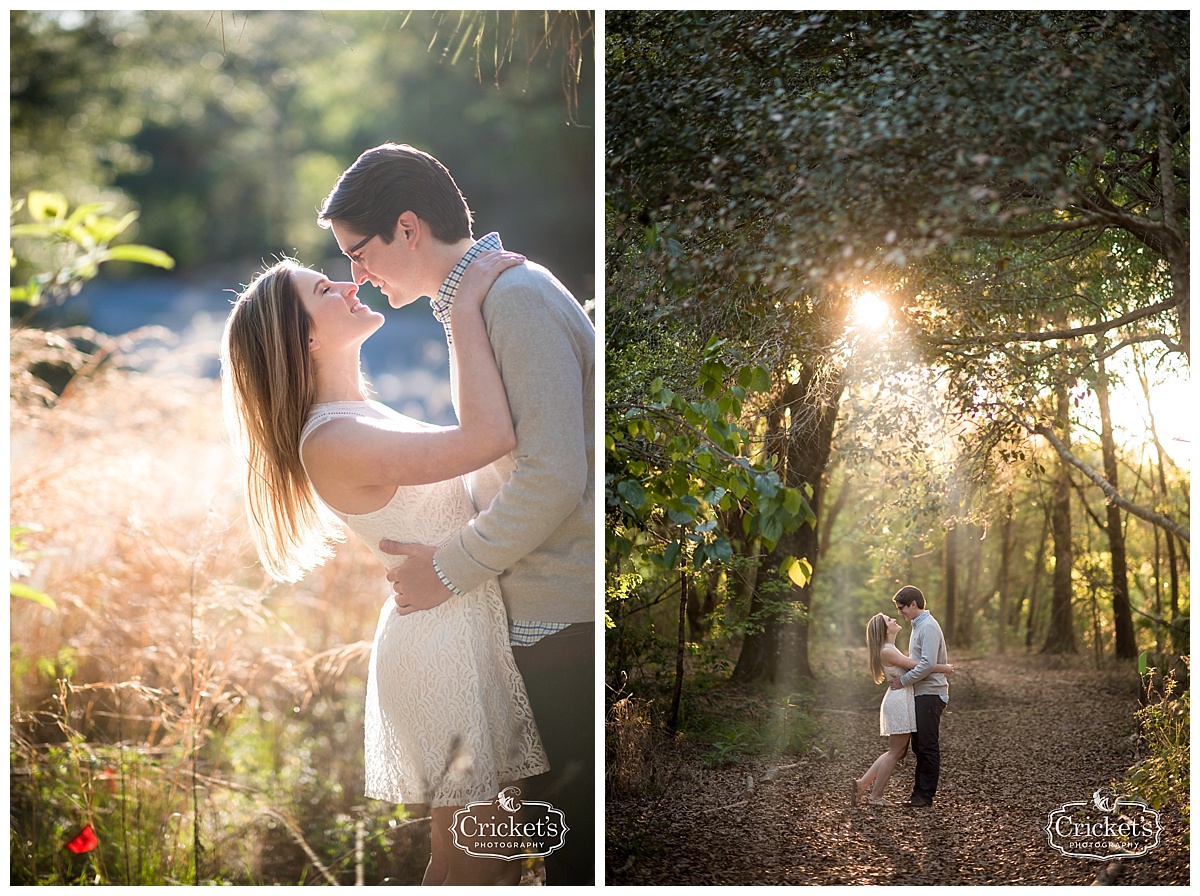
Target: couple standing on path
[912,707]
[481,679]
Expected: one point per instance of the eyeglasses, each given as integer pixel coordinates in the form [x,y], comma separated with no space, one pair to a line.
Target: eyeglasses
[352,252]
[360,244]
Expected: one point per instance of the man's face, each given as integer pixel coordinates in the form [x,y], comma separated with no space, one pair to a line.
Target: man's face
[391,267]
[908,611]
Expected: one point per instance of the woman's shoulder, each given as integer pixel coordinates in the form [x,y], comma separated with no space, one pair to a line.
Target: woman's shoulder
[351,414]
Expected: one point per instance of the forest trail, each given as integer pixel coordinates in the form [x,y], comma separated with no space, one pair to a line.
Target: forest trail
[1020,737]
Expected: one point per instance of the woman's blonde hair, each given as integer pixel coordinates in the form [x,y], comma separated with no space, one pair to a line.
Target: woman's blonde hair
[876,637]
[269,384]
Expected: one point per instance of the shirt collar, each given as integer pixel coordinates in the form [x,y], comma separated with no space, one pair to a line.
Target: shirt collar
[920,617]
[444,300]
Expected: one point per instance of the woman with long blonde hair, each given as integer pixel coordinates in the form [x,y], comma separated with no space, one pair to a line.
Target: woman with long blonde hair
[897,712]
[447,717]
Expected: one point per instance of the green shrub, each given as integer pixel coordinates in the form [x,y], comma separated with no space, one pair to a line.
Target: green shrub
[1162,777]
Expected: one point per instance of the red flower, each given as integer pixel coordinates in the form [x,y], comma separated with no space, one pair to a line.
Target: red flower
[85,841]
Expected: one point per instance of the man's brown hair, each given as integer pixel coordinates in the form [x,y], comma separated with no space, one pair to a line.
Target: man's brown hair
[909,594]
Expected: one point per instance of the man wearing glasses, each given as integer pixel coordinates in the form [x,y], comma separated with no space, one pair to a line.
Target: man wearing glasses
[400,218]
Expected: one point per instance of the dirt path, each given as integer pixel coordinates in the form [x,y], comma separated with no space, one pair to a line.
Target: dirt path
[1018,739]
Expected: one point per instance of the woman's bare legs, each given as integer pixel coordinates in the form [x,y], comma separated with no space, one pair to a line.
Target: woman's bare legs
[450,864]
[880,771]
[440,845]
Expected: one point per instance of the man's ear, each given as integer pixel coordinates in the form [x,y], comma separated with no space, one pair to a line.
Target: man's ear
[410,229]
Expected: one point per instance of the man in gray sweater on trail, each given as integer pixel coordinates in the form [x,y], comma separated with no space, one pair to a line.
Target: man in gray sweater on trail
[930,689]
[399,217]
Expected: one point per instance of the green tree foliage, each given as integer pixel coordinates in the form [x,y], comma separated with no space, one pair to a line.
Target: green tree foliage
[1018,183]
[228,129]
[66,248]
[681,462]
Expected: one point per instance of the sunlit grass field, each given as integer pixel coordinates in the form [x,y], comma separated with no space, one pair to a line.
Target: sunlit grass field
[204,721]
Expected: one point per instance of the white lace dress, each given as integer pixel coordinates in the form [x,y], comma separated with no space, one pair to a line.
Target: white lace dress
[447,717]
[898,711]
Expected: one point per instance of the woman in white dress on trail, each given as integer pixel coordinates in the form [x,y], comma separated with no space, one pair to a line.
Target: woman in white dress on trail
[447,718]
[897,713]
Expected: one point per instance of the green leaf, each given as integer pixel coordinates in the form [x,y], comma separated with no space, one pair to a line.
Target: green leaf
[89,209]
[102,229]
[633,493]
[793,501]
[38,231]
[799,571]
[767,484]
[45,206]
[28,293]
[680,516]
[672,554]
[139,255]
[771,529]
[755,379]
[20,589]
[618,545]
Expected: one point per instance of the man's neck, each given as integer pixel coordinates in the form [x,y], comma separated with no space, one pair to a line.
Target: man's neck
[445,256]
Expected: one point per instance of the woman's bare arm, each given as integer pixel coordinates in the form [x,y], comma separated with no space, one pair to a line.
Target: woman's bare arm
[892,655]
[356,463]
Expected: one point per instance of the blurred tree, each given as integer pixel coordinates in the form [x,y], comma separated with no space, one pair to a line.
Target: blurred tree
[229,129]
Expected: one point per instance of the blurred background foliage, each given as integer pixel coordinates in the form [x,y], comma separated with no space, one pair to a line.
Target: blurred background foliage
[228,129]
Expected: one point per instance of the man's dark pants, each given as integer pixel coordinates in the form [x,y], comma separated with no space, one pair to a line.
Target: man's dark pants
[560,677]
[925,746]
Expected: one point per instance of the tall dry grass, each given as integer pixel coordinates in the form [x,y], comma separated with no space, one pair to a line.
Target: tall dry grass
[205,721]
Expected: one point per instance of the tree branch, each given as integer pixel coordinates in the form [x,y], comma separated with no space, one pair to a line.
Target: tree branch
[1049,335]
[1038,230]
[1155,519]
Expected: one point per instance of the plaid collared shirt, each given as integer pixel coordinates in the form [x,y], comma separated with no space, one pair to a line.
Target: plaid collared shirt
[444,300]
[522,632]
[526,634]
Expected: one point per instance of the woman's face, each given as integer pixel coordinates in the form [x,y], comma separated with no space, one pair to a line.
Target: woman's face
[893,627]
[339,319]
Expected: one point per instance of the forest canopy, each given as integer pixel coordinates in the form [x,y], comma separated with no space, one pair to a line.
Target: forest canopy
[953,249]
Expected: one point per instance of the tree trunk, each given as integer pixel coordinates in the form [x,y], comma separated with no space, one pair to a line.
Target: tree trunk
[969,536]
[950,585]
[1039,565]
[1061,636]
[680,650]
[829,517]
[1126,642]
[1002,577]
[801,435]
[1173,568]
[700,606]
[1174,214]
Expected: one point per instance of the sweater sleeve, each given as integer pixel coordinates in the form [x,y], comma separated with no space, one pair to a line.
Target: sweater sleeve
[924,650]
[536,337]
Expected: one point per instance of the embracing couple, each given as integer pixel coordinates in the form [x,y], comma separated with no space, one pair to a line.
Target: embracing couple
[481,675]
[912,707]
